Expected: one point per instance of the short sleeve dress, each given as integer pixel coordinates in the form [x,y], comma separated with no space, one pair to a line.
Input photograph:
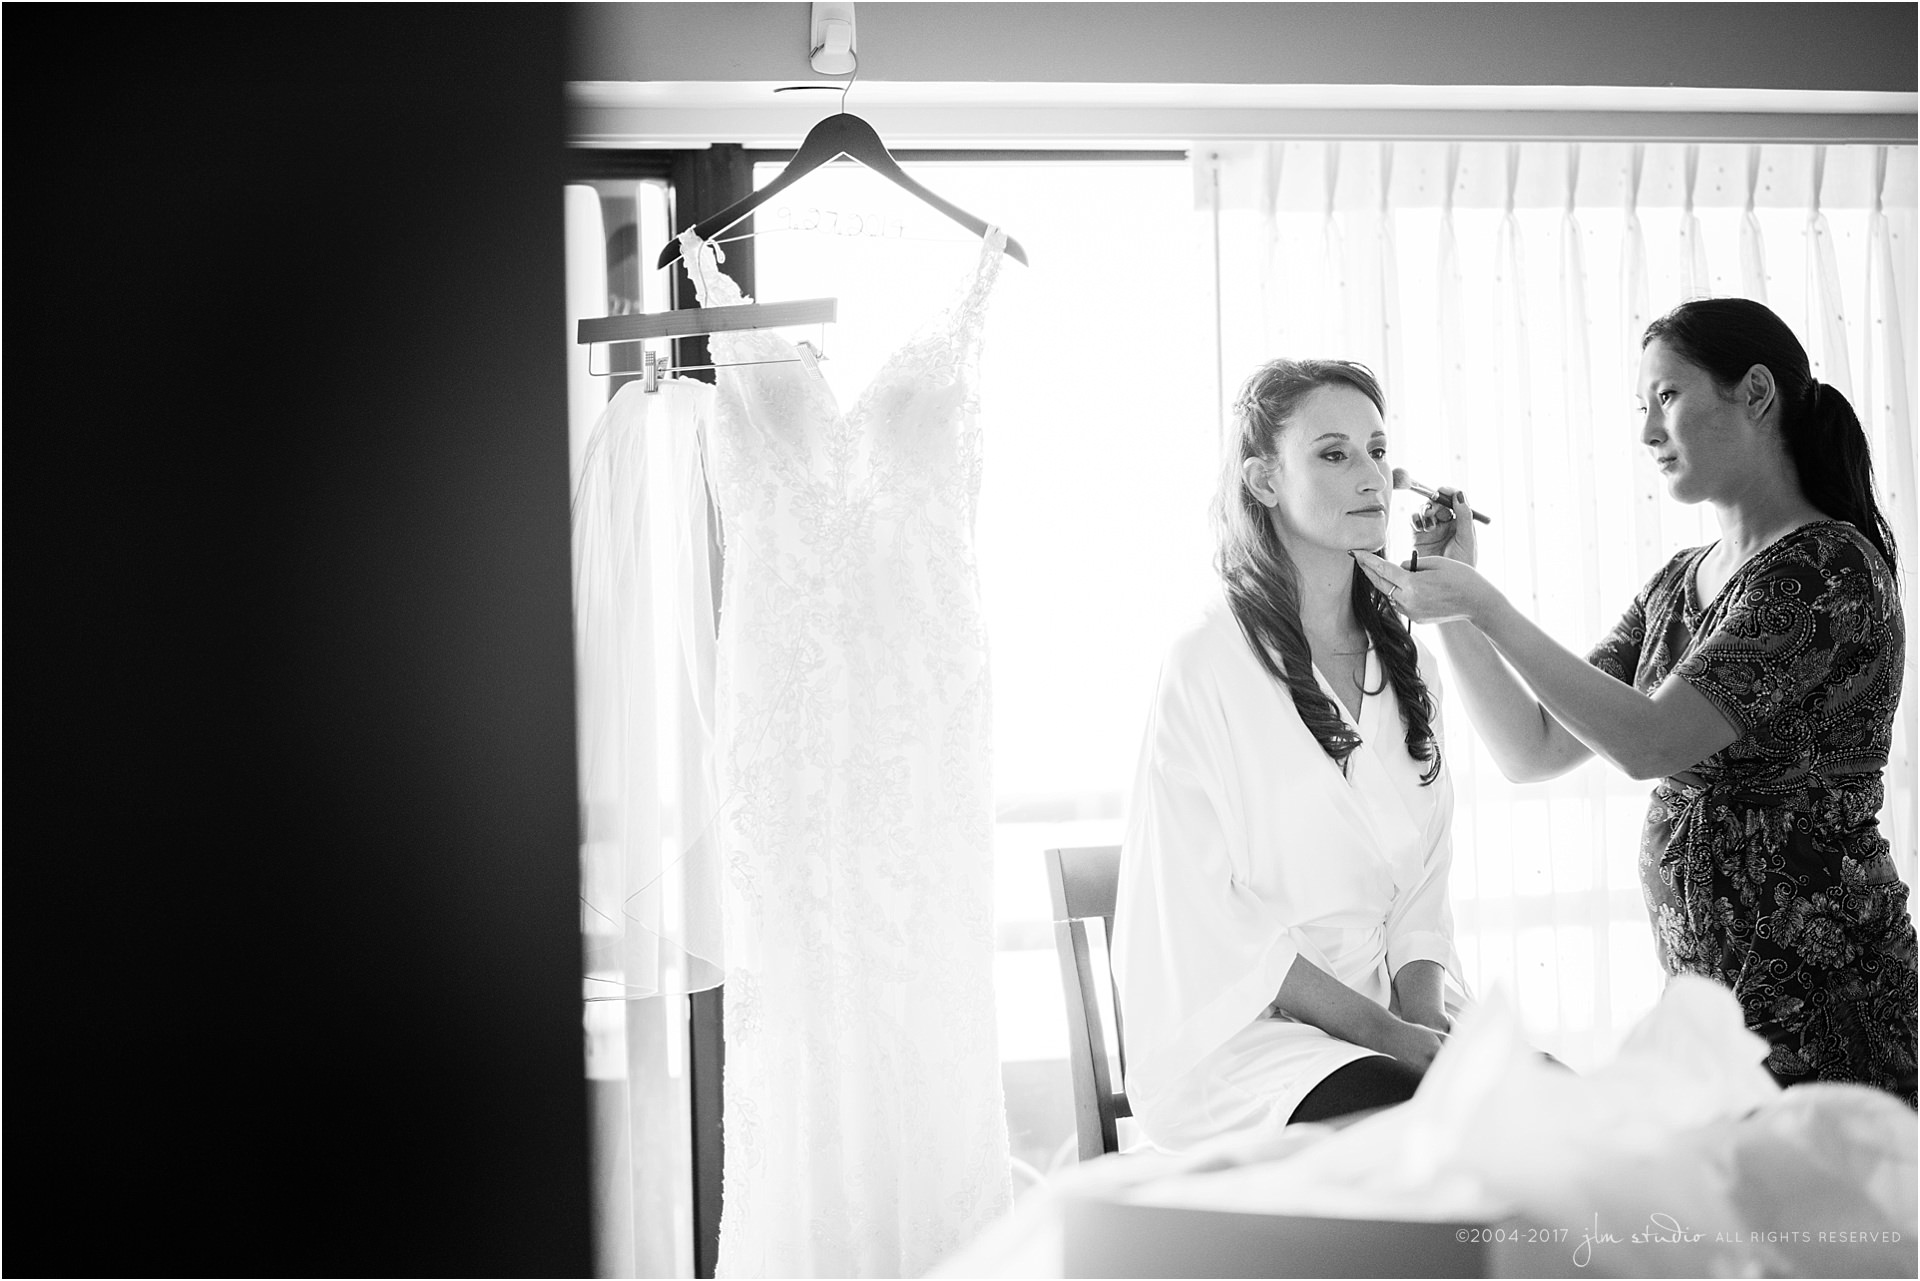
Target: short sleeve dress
[1763,866]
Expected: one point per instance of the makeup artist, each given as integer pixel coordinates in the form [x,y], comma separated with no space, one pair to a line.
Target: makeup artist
[1754,679]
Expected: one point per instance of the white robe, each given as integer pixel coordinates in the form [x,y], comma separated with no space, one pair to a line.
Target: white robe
[1245,847]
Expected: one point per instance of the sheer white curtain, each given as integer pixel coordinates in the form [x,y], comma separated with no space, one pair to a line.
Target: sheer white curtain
[1501,289]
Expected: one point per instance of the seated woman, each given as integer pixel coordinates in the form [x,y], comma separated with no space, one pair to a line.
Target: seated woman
[1282,932]
[1756,678]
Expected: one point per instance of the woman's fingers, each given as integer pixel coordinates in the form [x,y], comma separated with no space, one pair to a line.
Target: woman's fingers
[1389,578]
[1373,575]
[1434,529]
[1454,518]
[1442,590]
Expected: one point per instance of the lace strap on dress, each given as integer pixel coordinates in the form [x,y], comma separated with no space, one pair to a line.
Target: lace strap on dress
[711,286]
[993,247]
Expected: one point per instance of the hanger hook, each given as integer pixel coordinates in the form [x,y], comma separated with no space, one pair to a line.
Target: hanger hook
[850,79]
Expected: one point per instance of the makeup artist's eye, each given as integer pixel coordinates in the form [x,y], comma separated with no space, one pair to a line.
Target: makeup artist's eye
[1664,395]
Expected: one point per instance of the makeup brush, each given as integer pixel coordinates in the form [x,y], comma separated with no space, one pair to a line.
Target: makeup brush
[1403,481]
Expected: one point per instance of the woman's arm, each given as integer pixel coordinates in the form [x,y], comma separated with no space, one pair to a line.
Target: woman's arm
[1645,736]
[1648,737]
[1312,995]
[1419,991]
[1527,743]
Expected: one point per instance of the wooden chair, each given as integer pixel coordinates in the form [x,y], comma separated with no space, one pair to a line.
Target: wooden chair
[1084,882]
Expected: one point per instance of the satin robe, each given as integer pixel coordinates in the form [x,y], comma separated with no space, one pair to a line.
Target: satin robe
[1245,847]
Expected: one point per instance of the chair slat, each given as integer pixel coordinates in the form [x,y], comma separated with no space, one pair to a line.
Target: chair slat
[1089,882]
[1084,884]
[1081,1058]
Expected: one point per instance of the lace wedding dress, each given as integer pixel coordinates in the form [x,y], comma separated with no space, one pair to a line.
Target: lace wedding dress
[864,1121]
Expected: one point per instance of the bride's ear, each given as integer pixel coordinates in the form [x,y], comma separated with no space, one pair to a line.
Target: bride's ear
[1257,475]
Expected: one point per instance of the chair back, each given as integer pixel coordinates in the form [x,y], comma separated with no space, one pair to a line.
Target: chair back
[1084,883]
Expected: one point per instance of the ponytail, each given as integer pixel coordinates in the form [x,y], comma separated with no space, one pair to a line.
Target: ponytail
[1729,336]
[1829,451]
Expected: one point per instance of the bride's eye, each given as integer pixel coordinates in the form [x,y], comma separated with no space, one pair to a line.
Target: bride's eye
[1378,452]
[1335,455]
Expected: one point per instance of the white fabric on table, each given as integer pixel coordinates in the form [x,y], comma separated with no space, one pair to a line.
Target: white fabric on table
[1679,1157]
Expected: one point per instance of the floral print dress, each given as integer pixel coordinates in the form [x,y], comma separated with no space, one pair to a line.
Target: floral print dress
[1763,866]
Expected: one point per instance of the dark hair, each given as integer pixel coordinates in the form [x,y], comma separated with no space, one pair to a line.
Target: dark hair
[1729,336]
[1259,574]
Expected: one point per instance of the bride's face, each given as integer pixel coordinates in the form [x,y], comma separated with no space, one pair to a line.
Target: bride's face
[1329,481]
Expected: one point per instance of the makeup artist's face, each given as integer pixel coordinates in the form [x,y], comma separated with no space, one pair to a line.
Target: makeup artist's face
[1330,475]
[1696,434]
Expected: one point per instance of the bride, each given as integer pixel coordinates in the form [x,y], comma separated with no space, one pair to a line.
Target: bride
[1282,933]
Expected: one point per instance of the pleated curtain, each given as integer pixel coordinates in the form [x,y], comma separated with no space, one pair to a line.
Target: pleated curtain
[1885,402]
[1501,289]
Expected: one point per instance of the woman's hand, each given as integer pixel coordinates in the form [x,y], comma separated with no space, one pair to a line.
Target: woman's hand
[1311,995]
[1442,590]
[1413,1044]
[1445,528]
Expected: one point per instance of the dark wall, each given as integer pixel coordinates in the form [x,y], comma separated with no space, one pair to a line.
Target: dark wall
[1708,45]
[292,970]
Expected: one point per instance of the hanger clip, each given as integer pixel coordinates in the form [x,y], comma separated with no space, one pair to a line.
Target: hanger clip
[809,358]
[649,371]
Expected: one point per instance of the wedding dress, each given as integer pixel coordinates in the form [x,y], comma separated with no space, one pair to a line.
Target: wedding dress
[865,1129]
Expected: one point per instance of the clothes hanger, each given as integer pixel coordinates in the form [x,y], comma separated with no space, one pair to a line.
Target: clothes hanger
[691,322]
[841,134]
[837,135]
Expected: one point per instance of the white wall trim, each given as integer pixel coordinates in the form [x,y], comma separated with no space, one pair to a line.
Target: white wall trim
[627,114]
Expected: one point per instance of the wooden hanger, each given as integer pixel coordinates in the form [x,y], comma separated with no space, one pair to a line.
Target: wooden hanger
[841,134]
[690,322]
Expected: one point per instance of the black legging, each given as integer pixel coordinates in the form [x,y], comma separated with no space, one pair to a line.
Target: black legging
[1373,1082]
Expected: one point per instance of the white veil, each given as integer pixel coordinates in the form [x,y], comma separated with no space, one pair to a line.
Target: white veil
[643,596]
